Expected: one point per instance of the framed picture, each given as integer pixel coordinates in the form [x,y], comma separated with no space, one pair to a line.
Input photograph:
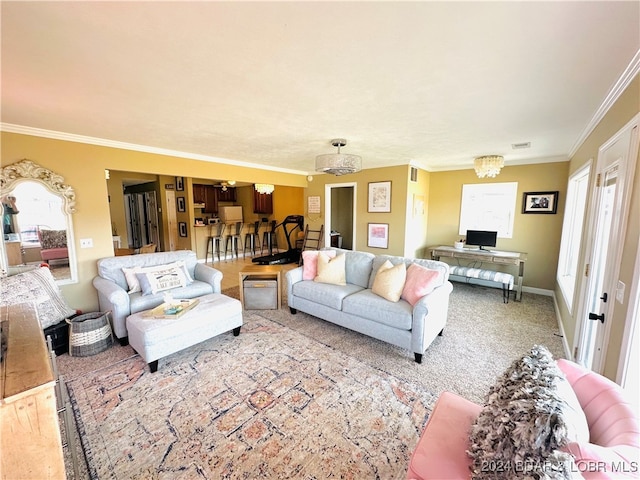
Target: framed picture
[182,229]
[378,235]
[181,204]
[379,197]
[540,202]
[180,184]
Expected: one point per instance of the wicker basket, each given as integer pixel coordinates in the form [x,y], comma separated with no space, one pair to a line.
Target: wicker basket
[89,333]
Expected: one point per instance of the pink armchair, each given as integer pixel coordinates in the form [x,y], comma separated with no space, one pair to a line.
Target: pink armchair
[613,451]
[53,245]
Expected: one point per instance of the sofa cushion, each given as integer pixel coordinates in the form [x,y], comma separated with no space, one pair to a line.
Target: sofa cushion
[37,286]
[420,282]
[367,304]
[389,281]
[310,263]
[331,270]
[325,294]
[357,266]
[526,420]
[139,302]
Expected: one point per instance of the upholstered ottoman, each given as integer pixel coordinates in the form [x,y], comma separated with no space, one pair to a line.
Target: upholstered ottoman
[154,338]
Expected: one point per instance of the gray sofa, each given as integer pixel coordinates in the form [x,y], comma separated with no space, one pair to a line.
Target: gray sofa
[356,307]
[112,287]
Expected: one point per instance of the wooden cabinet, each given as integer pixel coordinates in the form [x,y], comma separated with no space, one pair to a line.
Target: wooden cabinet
[262,202]
[198,193]
[30,445]
[210,199]
[228,195]
[14,253]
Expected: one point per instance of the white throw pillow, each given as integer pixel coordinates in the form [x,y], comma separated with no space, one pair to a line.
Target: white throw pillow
[159,277]
[331,270]
[389,281]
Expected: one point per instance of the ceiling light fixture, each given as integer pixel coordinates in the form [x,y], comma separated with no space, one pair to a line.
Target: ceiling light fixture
[264,188]
[338,163]
[488,165]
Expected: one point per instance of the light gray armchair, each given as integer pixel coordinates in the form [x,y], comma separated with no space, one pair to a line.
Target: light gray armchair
[113,288]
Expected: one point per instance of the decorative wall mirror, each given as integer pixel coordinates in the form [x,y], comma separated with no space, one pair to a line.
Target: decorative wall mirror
[37,208]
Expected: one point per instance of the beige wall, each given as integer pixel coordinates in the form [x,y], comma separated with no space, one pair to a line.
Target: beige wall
[537,235]
[622,111]
[83,166]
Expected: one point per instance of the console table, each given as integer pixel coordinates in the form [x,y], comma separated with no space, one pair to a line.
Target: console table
[31,446]
[485,256]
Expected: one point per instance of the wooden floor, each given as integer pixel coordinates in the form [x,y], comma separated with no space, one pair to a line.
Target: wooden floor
[231,268]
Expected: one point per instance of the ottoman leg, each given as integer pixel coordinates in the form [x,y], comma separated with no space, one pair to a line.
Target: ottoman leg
[153,366]
[236,331]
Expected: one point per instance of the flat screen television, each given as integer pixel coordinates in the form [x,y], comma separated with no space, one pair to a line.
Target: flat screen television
[481,238]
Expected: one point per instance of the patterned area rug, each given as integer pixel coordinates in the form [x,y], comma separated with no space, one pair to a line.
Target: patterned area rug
[270,403]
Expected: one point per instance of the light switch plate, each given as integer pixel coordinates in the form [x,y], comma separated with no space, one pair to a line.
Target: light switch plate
[620,292]
[86,243]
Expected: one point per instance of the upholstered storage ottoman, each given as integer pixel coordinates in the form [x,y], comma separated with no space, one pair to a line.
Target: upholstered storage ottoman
[155,338]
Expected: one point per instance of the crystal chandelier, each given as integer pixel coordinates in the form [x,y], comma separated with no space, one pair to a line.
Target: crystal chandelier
[264,188]
[338,163]
[488,165]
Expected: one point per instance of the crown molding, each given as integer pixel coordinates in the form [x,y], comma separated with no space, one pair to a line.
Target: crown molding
[70,137]
[614,94]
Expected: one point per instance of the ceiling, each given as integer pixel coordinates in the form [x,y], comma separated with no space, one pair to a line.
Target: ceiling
[433,84]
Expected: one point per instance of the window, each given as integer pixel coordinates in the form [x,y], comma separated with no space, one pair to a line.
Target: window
[572,228]
[490,206]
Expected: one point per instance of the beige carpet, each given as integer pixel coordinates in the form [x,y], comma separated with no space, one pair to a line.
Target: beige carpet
[483,336]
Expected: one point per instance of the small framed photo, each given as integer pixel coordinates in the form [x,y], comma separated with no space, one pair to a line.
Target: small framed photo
[182,229]
[379,197]
[182,207]
[540,202]
[180,184]
[378,235]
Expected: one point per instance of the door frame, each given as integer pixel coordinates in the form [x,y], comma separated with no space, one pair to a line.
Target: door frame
[327,210]
[625,176]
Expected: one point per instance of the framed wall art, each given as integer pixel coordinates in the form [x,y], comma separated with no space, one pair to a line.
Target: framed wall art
[379,197]
[180,184]
[378,235]
[182,207]
[182,229]
[540,202]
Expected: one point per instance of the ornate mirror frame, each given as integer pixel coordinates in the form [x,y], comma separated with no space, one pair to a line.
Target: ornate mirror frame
[26,170]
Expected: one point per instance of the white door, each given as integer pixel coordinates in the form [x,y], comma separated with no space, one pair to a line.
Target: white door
[607,228]
[172,220]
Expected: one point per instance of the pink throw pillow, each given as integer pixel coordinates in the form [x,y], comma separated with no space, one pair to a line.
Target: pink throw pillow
[420,281]
[310,263]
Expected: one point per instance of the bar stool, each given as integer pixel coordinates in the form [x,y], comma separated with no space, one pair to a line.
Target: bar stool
[214,242]
[252,239]
[269,238]
[234,239]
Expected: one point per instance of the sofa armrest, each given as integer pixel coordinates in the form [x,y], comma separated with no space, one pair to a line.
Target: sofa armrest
[436,306]
[210,275]
[115,299]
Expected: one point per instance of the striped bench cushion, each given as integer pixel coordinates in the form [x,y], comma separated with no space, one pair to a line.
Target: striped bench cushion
[481,274]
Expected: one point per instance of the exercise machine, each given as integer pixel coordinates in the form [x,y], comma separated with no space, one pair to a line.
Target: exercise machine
[292,255]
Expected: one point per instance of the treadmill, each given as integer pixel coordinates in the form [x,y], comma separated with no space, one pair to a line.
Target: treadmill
[293,254]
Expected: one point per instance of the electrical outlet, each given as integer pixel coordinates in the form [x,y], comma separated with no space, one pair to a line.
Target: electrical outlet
[620,292]
[86,243]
